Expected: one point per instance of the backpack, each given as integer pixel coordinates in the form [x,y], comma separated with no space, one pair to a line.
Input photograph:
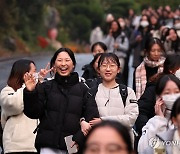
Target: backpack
[122,89]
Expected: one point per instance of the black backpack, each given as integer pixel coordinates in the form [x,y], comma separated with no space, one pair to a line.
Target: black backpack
[122,89]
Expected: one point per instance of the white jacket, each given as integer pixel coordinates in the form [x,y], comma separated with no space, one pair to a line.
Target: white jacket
[18,129]
[154,126]
[114,109]
[123,44]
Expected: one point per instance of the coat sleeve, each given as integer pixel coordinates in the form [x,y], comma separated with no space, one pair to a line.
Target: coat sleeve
[123,46]
[153,126]
[12,101]
[34,102]
[131,111]
[90,111]
[108,40]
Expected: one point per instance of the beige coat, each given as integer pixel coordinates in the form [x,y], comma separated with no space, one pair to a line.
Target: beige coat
[17,128]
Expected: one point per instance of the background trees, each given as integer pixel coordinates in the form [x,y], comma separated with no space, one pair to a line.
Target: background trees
[23,20]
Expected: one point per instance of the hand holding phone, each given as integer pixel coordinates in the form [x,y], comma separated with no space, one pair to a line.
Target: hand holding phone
[71,146]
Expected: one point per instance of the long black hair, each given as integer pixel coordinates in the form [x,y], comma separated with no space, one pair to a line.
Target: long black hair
[118,32]
[162,81]
[172,63]
[175,109]
[69,52]
[19,68]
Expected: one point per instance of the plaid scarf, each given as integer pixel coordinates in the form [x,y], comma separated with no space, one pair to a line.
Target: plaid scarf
[141,74]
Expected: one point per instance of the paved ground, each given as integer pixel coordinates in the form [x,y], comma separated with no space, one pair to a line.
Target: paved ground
[40,61]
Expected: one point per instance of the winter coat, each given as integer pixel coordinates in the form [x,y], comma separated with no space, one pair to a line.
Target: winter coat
[155,125]
[89,72]
[123,43]
[18,129]
[146,106]
[164,143]
[114,108]
[59,104]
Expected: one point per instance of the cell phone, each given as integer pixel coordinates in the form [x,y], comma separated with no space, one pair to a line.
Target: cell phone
[69,142]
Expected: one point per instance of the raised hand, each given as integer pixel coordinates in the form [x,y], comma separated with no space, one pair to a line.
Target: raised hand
[43,72]
[29,81]
[159,107]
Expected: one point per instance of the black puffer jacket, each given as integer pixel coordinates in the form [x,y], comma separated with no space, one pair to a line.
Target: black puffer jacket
[146,105]
[59,104]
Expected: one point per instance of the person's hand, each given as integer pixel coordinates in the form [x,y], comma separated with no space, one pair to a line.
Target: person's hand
[85,127]
[75,144]
[43,72]
[29,81]
[110,32]
[168,38]
[95,121]
[159,107]
[116,46]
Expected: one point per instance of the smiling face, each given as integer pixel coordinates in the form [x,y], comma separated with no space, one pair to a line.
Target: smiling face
[108,70]
[64,64]
[105,140]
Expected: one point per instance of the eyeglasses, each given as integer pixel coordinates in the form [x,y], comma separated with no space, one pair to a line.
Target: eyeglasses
[111,66]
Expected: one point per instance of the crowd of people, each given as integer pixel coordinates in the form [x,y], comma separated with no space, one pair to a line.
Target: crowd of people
[96,112]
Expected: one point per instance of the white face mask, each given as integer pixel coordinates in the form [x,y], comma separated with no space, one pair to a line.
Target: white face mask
[169,100]
[144,23]
[122,24]
[177,74]
[177,26]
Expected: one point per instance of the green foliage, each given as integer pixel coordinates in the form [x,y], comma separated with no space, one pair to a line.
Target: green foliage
[156,3]
[25,19]
[80,17]
[119,8]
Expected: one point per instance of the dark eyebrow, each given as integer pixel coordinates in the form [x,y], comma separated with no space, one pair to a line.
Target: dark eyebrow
[115,145]
[93,143]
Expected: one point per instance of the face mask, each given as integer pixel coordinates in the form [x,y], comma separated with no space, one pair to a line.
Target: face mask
[36,76]
[177,74]
[177,26]
[144,24]
[169,100]
[122,24]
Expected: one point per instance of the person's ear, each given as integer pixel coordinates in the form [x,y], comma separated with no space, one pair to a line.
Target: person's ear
[174,121]
[119,69]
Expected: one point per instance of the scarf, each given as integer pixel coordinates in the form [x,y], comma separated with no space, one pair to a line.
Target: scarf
[141,74]
[153,64]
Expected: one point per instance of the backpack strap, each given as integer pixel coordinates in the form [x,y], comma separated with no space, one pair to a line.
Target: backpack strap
[124,93]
